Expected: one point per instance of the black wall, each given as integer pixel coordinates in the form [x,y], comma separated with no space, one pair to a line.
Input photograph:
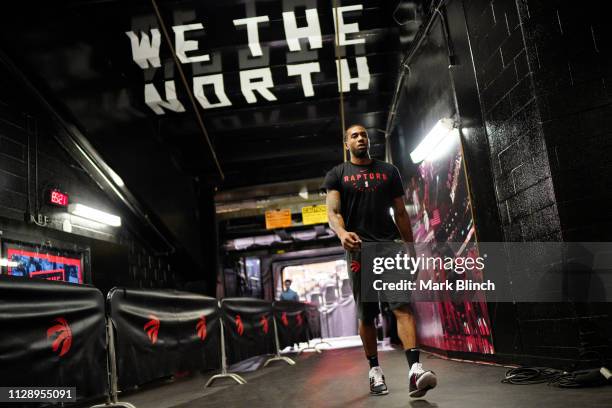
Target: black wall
[541,75]
[31,161]
[529,79]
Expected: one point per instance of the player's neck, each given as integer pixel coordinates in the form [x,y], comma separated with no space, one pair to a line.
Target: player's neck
[361,161]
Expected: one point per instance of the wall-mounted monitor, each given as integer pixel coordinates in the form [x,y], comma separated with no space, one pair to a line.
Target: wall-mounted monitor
[43,262]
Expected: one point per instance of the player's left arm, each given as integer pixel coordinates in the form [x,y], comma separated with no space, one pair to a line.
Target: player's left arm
[402,220]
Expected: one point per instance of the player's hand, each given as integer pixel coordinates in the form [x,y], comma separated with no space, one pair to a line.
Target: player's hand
[350,241]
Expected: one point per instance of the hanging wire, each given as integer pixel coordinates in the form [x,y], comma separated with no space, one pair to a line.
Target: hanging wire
[188,90]
[339,72]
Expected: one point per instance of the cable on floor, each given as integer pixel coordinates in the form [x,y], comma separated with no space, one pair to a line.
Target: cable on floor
[558,378]
[530,375]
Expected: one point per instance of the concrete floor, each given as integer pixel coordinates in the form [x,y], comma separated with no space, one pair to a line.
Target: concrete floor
[338,378]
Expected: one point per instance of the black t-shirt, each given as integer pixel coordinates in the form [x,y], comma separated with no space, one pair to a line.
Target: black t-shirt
[366,194]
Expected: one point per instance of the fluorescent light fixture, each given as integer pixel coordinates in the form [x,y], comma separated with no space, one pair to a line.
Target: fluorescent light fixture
[93,214]
[440,131]
[118,180]
[303,193]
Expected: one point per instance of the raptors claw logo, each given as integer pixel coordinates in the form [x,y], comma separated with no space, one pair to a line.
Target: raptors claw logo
[355,266]
[201,327]
[64,335]
[264,324]
[284,319]
[152,328]
[239,325]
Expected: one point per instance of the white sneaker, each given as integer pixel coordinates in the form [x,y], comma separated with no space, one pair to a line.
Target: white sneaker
[421,381]
[377,382]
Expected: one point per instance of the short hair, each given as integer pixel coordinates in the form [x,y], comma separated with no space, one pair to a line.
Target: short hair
[352,126]
[288,281]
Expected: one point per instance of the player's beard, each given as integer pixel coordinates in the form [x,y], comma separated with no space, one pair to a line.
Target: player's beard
[361,154]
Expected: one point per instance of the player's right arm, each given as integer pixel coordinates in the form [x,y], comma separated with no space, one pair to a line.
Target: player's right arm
[350,241]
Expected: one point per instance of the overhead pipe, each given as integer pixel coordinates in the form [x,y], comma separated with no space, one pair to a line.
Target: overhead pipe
[405,64]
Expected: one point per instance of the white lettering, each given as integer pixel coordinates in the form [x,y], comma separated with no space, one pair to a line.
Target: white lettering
[470,285]
[253,32]
[402,285]
[249,86]
[377,266]
[156,103]
[343,29]
[436,286]
[217,82]
[182,46]
[305,72]
[145,51]
[312,30]
[363,74]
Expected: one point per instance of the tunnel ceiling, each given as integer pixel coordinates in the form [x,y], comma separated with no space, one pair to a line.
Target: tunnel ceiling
[270,107]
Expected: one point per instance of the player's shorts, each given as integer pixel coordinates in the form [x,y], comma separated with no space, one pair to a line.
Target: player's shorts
[366,311]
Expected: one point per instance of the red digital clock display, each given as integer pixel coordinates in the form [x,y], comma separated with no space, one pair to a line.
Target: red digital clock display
[58,198]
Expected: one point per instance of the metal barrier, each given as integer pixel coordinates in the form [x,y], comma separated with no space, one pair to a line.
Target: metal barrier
[277,356]
[160,332]
[142,335]
[112,398]
[53,335]
[224,373]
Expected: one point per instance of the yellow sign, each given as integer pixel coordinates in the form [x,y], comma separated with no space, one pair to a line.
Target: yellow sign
[278,218]
[314,214]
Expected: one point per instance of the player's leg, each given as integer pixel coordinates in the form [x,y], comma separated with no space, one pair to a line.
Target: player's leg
[367,332]
[421,381]
[406,326]
[366,313]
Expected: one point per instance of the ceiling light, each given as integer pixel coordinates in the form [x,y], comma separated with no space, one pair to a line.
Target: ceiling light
[303,193]
[118,180]
[95,215]
[440,131]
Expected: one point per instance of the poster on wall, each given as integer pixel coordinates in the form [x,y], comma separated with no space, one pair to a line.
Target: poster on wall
[43,263]
[442,223]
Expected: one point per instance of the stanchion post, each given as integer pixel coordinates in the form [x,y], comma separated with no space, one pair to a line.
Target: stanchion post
[327,326]
[277,356]
[309,347]
[224,373]
[112,400]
